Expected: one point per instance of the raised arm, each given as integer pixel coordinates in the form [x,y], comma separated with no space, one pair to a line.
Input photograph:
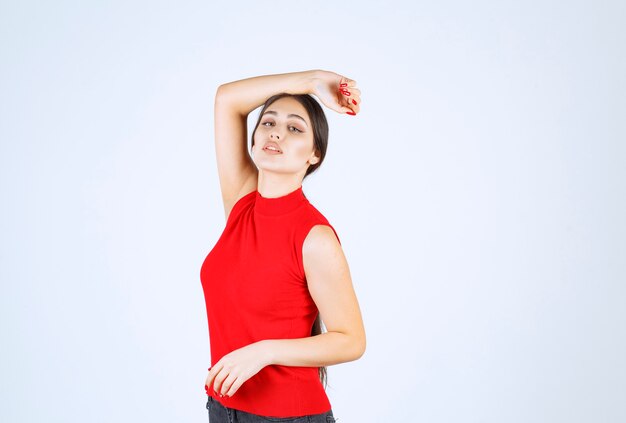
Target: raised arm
[233,102]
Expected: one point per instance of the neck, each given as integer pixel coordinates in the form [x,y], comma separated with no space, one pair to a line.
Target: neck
[272,185]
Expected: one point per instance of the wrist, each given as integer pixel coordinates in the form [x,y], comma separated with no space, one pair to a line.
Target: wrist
[266,351]
[308,81]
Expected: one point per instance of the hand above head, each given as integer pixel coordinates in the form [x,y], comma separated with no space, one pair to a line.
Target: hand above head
[337,92]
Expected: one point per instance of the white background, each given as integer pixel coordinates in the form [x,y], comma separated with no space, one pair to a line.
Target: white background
[479,195]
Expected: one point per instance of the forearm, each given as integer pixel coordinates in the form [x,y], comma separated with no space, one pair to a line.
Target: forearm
[325,349]
[247,94]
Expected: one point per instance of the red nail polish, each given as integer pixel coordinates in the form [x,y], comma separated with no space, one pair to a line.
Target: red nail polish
[354,102]
[351,113]
[346,92]
[343,85]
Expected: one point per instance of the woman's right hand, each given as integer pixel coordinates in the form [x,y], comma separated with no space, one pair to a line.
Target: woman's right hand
[337,92]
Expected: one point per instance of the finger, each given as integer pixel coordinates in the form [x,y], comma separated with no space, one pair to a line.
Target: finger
[217,384]
[206,382]
[235,386]
[351,102]
[352,93]
[352,90]
[346,101]
[226,384]
[210,377]
[352,108]
[349,82]
[213,377]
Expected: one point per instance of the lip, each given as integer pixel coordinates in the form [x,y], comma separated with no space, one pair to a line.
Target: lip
[273,144]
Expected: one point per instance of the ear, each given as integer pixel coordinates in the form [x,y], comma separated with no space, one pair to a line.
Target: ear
[315,158]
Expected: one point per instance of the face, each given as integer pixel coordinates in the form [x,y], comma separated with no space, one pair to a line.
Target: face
[285,124]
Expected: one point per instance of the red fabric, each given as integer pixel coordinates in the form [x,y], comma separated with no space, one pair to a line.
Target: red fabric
[255,288]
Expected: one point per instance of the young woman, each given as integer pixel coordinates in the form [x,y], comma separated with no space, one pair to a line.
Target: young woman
[278,269]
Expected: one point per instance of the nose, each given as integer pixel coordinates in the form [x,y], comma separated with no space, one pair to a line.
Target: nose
[273,135]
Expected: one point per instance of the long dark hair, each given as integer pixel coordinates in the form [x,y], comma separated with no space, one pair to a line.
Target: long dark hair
[320,140]
[317,118]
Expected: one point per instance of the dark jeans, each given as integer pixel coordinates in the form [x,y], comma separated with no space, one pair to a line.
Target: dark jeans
[220,414]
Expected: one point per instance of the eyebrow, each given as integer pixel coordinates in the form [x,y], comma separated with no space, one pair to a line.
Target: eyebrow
[289,115]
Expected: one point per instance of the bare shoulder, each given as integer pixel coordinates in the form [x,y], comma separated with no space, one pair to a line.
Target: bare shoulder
[321,246]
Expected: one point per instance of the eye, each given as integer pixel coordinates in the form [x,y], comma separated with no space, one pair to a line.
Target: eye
[290,127]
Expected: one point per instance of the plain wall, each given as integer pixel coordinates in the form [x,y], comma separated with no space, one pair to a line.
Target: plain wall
[479,196]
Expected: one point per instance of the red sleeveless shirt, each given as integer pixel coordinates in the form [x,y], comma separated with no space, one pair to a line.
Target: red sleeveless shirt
[255,288]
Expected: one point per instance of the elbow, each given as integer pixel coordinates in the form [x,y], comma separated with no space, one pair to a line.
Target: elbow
[362,351]
[360,346]
[224,90]
[352,346]
[362,343]
[220,93]
[225,99]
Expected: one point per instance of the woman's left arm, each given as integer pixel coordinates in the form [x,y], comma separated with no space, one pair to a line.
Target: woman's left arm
[330,286]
